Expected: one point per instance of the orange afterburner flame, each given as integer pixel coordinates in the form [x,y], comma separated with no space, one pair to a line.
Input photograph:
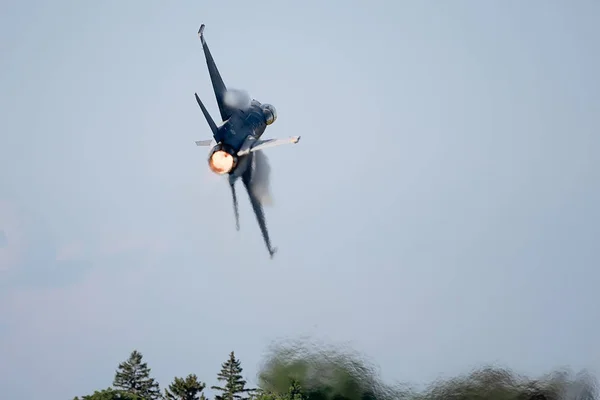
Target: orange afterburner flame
[221,162]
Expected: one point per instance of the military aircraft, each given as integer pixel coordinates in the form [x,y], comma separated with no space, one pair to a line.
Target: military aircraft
[237,145]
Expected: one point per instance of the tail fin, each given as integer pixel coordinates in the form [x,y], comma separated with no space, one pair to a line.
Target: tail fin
[211,122]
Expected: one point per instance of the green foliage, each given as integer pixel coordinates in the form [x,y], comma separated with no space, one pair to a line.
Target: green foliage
[133,376]
[328,374]
[299,373]
[111,394]
[231,374]
[262,395]
[189,388]
[324,374]
[294,392]
[500,384]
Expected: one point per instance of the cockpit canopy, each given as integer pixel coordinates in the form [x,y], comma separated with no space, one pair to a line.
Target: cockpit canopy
[270,113]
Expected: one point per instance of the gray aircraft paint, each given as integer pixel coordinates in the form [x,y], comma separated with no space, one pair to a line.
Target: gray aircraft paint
[239,136]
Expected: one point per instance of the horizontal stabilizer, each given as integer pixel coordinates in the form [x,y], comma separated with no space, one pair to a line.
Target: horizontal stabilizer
[263,144]
[206,142]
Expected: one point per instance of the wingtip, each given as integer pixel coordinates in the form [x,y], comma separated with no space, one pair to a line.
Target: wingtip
[272,252]
[201,31]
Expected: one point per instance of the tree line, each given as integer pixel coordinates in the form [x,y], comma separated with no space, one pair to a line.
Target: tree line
[298,373]
[133,381]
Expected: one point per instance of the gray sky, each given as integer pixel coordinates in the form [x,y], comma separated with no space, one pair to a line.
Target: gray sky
[440,212]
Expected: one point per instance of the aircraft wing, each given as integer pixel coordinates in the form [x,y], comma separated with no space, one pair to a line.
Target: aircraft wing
[215,77]
[266,143]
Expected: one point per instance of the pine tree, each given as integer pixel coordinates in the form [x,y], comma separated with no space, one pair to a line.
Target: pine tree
[189,388]
[231,374]
[133,376]
[262,395]
[110,394]
[295,391]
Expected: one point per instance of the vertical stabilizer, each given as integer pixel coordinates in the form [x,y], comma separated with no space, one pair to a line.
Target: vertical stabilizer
[211,122]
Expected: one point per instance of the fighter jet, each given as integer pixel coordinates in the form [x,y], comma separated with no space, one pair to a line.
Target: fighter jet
[237,145]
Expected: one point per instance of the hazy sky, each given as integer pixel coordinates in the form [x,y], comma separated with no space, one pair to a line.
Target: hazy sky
[440,212]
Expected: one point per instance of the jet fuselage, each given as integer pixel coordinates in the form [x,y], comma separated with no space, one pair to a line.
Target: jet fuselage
[240,130]
[239,148]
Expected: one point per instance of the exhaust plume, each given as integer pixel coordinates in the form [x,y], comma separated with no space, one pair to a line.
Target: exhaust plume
[332,374]
[324,373]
